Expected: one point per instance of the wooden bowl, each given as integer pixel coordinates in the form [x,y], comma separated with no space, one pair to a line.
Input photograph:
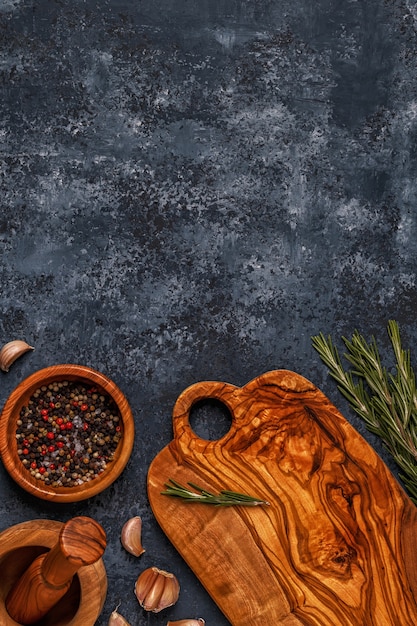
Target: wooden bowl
[8,426]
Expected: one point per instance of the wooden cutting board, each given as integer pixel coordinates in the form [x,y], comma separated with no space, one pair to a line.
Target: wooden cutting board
[336,546]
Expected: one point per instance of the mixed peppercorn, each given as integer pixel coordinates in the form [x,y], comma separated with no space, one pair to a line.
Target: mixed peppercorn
[67,433]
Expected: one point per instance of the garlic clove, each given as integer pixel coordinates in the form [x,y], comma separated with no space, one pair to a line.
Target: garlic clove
[131,536]
[12,351]
[117,620]
[187,622]
[156,589]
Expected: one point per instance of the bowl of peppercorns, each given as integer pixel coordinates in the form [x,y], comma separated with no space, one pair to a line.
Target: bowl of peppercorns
[66,433]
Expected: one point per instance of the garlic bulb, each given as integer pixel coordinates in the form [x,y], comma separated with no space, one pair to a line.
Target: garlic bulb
[117,620]
[12,351]
[156,589]
[131,536]
[188,622]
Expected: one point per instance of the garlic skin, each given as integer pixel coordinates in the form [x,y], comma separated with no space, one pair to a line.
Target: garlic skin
[156,589]
[117,620]
[188,622]
[12,351]
[131,536]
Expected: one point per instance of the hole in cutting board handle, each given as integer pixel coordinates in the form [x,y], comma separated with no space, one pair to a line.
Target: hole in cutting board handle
[210,419]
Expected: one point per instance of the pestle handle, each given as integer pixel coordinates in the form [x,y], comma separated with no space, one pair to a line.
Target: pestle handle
[81,542]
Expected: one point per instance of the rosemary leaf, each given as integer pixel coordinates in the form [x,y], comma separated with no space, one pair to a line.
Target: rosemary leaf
[386,402]
[224,498]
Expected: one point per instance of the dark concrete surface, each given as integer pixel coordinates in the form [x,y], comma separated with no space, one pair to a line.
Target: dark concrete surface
[189,191]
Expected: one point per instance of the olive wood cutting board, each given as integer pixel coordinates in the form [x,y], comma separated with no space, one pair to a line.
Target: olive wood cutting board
[337,544]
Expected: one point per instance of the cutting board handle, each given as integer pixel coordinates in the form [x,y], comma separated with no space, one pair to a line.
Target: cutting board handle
[207,390]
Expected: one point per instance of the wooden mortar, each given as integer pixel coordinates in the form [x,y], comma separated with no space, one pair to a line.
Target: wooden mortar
[58,567]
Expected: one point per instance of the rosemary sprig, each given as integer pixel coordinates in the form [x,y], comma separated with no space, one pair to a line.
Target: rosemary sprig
[224,498]
[386,402]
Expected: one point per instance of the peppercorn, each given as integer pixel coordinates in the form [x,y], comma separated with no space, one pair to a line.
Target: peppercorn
[77,439]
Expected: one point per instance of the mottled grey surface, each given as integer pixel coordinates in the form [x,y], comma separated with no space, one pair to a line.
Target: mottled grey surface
[189,191]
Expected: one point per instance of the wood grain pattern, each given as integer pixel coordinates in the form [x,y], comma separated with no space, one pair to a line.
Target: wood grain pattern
[20,545]
[82,542]
[336,546]
[10,414]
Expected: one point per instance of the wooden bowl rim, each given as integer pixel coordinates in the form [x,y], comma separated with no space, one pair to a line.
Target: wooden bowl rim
[10,414]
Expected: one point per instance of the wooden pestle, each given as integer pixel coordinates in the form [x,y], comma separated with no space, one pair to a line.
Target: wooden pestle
[81,542]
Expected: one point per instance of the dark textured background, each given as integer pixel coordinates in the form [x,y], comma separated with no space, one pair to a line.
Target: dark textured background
[189,191]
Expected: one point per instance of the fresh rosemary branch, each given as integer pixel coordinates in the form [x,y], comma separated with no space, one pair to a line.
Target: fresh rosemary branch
[386,402]
[224,498]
